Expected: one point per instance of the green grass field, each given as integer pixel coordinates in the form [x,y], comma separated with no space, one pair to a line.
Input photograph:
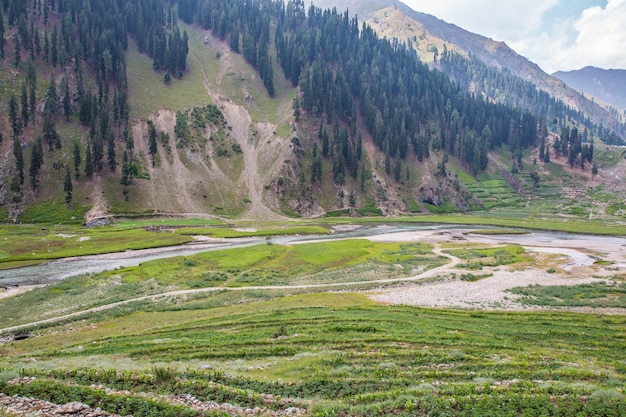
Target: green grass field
[322,263]
[35,243]
[336,355]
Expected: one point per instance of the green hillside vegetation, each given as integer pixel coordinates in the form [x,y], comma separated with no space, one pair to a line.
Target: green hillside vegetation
[330,354]
[356,131]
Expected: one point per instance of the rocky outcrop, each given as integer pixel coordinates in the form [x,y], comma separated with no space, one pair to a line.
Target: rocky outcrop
[24,406]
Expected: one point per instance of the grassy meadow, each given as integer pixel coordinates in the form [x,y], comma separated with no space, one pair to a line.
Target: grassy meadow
[37,243]
[263,265]
[330,354]
[257,328]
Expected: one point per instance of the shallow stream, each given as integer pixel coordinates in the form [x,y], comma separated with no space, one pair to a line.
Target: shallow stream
[573,246]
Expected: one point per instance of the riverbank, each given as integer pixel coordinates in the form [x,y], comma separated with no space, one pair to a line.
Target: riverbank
[552,259]
[12,291]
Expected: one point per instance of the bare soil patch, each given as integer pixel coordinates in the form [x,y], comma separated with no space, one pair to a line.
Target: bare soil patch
[571,262]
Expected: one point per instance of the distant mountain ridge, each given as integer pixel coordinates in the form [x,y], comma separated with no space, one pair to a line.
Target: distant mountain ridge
[491,52]
[385,17]
[608,85]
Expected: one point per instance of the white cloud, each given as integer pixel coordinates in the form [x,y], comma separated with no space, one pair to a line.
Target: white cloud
[601,37]
[594,36]
[497,19]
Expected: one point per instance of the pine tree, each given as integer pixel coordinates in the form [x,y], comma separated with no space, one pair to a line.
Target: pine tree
[234,41]
[49,132]
[54,55]
[36,160]
[46,47]
[125,180]
[88,162]
[77,159]
[52,99]
[1,38]
[19,160]
[16,124]
[46,11]
[37,42]
[67,186]
[17,58]
[111,152]
[25,110]
[397,170]
[97,152]
[128,138]
[31,44]
[31,77]
[65,91]
[152,140]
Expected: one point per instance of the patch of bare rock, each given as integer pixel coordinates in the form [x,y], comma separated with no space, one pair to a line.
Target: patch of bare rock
[24,406]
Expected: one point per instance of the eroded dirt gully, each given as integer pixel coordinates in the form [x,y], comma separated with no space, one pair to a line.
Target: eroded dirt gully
[188,180]
[263,151]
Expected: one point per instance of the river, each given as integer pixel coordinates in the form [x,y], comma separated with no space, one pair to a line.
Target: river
[575,247]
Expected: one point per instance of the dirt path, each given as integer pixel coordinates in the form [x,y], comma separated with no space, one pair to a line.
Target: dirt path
[454,261]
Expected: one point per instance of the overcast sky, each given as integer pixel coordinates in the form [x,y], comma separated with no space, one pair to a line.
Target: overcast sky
[555,34]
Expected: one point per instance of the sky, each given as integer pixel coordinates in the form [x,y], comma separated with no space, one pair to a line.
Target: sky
[555,34]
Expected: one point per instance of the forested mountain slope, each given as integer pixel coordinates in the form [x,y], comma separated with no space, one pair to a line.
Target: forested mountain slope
[255,109]
[485,58]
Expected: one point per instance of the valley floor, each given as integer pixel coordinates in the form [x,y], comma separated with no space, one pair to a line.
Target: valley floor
[369,320]
[554,263]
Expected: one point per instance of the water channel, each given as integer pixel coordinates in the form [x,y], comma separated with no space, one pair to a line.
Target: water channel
[573,246]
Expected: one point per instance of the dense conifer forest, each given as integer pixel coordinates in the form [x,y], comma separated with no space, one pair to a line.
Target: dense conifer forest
[91,37]
[503,86]
[351,82]
[345,71]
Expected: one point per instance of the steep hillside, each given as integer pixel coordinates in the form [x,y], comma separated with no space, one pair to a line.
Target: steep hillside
[223,169]
[607,85]
[279,111]
[394,19]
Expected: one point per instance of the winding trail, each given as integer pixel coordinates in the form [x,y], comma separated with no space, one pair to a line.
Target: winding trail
[454,261]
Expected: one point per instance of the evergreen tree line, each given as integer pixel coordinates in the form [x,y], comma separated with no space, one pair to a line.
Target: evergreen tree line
[345,71]
[95,33]
[508,88]
[154,26]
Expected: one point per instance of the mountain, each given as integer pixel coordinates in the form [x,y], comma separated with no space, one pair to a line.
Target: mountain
[266,109]
[394,19]
[607,85]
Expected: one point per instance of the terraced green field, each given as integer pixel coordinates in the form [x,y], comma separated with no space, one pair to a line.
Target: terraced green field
[493,193]
[334,355]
